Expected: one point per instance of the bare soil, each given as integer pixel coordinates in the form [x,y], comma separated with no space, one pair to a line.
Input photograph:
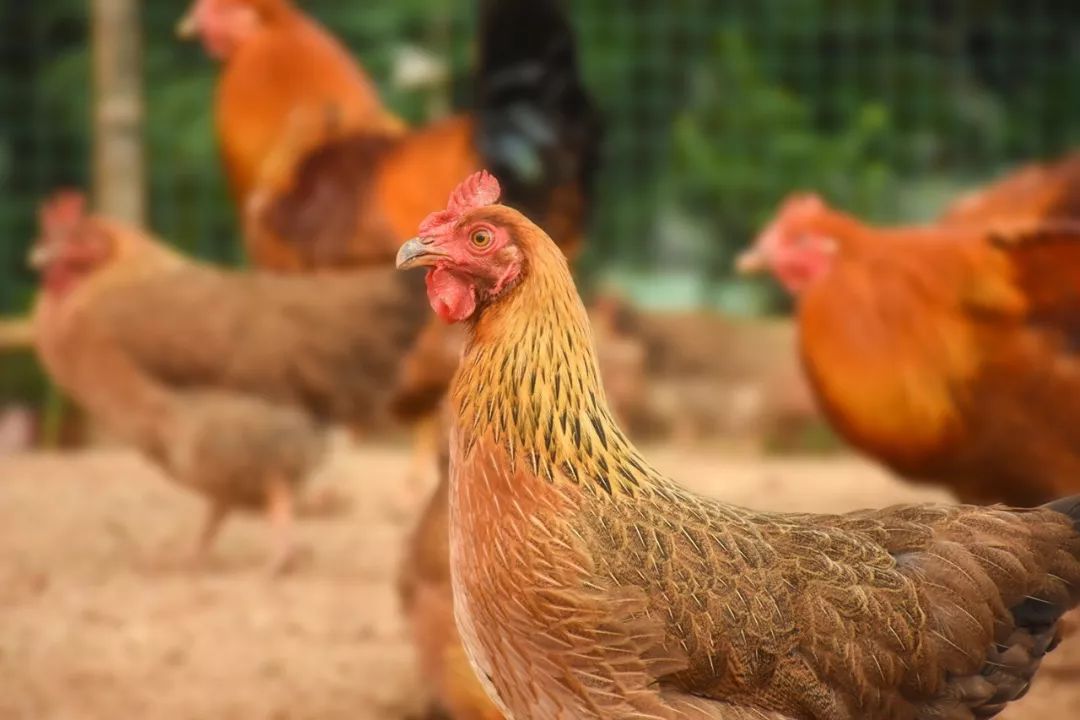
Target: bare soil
[101,618]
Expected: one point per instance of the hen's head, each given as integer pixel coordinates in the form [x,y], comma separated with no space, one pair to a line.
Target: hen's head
[798,246]
[475,249]
[71,246]
[223,26]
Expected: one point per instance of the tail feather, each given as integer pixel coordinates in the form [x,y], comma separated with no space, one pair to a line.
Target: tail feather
[537,129]
[1069,507]
[1039,617]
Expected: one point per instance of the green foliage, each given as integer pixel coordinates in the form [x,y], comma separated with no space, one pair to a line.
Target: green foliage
[44,92]
[739,123]
[885,113]
[715,110]
[21,377]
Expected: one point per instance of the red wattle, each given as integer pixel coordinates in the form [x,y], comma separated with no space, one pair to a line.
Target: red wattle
[452,297]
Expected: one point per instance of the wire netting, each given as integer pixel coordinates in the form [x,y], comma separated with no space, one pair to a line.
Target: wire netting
[715,110]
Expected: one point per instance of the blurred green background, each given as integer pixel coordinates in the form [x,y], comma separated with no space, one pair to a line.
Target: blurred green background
[715,110]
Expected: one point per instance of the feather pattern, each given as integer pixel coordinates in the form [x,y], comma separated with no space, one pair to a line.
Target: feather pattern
[330,344]
[589,585]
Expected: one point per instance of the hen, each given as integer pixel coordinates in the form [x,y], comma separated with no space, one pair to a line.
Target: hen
[223,378]
[321,192]
[949,352]
[589,585]
[424,580]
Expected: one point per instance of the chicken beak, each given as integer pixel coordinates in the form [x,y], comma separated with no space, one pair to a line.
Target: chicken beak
[751,262]
[188,27]
[39,257]
[417,253]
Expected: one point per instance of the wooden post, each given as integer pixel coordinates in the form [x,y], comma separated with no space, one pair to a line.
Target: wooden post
[119,173]
[119,180]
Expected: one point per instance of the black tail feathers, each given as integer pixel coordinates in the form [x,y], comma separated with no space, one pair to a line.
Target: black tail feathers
[537,129]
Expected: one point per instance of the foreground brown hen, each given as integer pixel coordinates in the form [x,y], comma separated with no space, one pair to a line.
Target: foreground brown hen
[588,585]
[948,351]
[223,378]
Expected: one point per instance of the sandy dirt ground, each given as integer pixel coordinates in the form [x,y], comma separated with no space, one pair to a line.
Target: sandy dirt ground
[101,618]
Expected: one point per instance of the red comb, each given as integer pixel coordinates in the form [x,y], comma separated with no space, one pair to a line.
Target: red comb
[476,191]
[61,211]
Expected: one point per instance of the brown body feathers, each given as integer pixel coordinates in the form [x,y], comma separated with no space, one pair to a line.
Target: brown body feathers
[335,194]
[226,379]
[950,351]
[588,585]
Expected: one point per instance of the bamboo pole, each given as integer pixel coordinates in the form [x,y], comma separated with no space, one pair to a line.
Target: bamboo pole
[119,180]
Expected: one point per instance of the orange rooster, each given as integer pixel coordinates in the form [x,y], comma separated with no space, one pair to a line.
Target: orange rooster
[949,352]
[279,65]
[321,187]
[589,585]
[224,379]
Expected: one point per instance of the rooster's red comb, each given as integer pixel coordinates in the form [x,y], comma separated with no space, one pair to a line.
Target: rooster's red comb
[476,191]
[62,211]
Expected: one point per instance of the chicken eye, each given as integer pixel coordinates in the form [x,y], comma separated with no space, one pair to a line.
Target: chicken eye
[481,238]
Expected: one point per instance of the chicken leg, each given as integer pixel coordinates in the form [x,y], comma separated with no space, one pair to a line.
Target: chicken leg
[281,511]
[216,513]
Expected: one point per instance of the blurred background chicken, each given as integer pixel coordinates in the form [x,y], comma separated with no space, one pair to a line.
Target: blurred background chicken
[325,179]
[323,176]
[947,350]
[1041,191]
[224,379]
[279,66]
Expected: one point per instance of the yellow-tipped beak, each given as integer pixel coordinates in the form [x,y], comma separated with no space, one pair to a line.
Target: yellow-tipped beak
[751,262]
[417,253]
[188,27]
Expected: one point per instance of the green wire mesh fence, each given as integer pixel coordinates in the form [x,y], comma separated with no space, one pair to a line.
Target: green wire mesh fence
[715,109]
